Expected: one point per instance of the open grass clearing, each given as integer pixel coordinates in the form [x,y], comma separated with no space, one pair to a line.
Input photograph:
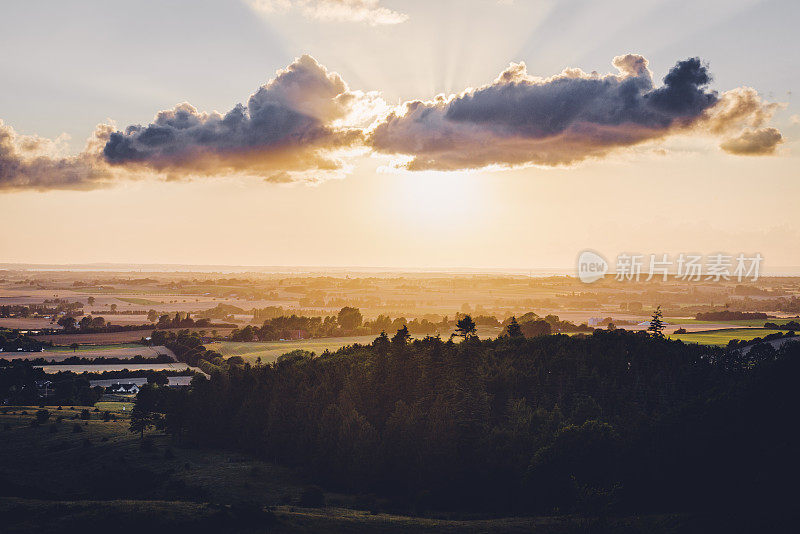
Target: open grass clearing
[723,336]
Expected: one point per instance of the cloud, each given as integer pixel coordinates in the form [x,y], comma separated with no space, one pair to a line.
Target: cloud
[32,162]
[293,125]
[520,120]
[306,124]
[366,11]
[754,142]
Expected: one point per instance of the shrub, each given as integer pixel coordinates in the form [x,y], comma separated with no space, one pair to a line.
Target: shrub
[85,414]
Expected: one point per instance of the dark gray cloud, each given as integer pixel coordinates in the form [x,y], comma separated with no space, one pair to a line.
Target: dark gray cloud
[29,162]
[305,122]
[286,126]
[519,119]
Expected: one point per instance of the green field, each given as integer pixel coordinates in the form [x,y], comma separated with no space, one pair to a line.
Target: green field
[723,336]
[757,323]
[269,351]
[114,406]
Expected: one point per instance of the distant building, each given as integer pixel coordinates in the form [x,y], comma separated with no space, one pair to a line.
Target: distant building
[594,321]
[123,389]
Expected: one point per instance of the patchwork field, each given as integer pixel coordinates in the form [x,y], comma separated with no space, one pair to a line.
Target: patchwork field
[27,323]
[269,351]
[754,323]
[117,337]
[723,336]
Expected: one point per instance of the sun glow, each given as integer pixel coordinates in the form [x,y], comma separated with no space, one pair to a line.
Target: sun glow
[438,196]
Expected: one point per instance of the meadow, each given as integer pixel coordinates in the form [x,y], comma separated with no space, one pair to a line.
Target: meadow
[269,351]
[753,323]
[721,337]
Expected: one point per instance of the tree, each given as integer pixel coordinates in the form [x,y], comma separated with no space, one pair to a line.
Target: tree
[68,322]
[113,307]
[158,378]
[350,318]
[401,337]
[141,420]
[74,347]
[656,328]
[465,327]
[91,301]
[513,328]
[152,316]
[536,328]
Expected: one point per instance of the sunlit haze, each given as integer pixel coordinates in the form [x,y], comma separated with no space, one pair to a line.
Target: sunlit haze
[71,66]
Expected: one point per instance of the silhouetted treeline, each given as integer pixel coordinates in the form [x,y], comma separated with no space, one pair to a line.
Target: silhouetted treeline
[13,341]
[611,421]
[102,360]
[39,310]
[791,325]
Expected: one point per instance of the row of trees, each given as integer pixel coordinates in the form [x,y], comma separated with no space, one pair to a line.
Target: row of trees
[552,423]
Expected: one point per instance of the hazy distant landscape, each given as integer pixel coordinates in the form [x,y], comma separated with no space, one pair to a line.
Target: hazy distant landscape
[401,349]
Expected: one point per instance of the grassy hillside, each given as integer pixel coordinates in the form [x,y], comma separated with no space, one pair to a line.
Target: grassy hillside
[101,478]
[269,351]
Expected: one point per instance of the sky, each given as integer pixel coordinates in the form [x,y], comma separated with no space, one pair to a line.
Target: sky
[309,132]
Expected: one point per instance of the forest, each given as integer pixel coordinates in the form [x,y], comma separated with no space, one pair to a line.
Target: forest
[612,422]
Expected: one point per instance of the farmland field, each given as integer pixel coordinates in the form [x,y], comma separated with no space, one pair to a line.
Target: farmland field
[269,351]
[106,347]
[114,406]
[31,323]
[755,323]
[723,336]
[116,337]
[139,301]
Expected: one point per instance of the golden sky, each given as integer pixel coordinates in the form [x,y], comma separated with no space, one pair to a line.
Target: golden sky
[336,196]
